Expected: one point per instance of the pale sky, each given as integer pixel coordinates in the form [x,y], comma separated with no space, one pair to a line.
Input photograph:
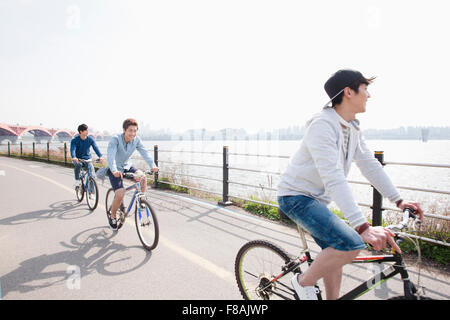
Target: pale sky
[215,64]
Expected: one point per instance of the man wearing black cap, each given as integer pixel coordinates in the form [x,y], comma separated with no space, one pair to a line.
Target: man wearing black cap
[316,175]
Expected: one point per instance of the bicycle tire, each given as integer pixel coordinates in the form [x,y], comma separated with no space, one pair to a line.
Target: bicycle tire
[108,203]
[92,183]
[258,285]
[79,191]
[147,226]
[398,298]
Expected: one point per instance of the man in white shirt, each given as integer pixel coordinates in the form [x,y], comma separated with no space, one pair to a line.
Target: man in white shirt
[316,175]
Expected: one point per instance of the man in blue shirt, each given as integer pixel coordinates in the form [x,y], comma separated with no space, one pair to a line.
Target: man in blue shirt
[120,149]
[80,149]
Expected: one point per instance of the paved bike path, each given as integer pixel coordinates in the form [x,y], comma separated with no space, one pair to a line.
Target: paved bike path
[54,248]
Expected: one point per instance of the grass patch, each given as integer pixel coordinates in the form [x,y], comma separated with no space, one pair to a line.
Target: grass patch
[168,186]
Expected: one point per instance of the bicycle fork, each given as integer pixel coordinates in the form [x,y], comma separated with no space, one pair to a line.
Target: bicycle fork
[139,209]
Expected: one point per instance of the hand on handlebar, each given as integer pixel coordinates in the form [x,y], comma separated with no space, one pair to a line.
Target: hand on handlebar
[378,237]
[413,205]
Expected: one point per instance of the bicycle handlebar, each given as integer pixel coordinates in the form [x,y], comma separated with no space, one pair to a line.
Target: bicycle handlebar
[407,214]
[130,175]
[88,160]
[85,161]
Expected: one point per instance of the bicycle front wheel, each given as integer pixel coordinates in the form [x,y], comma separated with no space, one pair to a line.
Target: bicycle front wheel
[146,225]
[410,298]
[257,264]
[92,194]
[79,191]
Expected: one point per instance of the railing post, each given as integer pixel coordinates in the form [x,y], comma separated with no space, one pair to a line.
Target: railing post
[225,201]
[34,150]
[377,202]
[9,149]
[21,150]
[155,159]
[65,153]
[48,151]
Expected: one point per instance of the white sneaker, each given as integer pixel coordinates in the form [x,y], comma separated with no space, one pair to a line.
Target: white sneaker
[77,183]
[304,293]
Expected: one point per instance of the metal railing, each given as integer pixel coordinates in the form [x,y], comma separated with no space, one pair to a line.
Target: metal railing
[45,155]
[377,200]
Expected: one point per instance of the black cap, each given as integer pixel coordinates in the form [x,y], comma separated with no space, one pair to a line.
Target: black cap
[340,80]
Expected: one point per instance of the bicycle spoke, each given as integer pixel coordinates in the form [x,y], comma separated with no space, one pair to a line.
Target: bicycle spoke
[254,275]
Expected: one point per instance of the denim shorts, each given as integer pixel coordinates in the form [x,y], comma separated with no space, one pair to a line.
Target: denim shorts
[117,183]
[325,227]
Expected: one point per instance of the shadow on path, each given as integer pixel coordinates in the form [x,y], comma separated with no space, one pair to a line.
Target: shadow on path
[88,252]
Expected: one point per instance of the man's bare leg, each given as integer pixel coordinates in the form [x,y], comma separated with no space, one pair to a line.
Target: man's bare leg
[143,184]
[118,198]
[332,282]
[328,265]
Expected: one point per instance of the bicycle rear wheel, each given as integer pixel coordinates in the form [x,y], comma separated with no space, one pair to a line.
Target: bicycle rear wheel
[257,264]
[146,225]
[120,213]
[92,194]
[413,298]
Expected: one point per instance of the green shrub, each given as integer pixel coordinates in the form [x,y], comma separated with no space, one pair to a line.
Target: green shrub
[166,186]
[437,253]
[262,210]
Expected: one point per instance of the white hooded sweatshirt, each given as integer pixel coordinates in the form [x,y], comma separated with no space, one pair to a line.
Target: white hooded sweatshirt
[319,168]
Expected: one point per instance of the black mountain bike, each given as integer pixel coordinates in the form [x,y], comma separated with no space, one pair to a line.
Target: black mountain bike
[88,185]
[261,268]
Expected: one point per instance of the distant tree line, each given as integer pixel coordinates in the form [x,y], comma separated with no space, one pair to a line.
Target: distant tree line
[290,133]
[409,133]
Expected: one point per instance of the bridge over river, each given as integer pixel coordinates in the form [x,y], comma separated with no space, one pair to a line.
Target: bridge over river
[38,133]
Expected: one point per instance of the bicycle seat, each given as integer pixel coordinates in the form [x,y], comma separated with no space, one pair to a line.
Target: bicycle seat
[129,175]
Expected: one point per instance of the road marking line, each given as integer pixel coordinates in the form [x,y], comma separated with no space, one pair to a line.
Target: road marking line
[2,173]
[189,255]
[199,260]
[42,177]
[193,257]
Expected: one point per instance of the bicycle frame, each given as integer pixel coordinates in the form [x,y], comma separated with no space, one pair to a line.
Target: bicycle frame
[137,193]
[85,172]
[390,271]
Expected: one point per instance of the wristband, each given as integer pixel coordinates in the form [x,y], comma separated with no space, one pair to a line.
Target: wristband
[363,227]
[398,202]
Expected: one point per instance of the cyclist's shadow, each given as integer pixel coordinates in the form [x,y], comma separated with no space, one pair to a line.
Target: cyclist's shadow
[89,251]
[65,209]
